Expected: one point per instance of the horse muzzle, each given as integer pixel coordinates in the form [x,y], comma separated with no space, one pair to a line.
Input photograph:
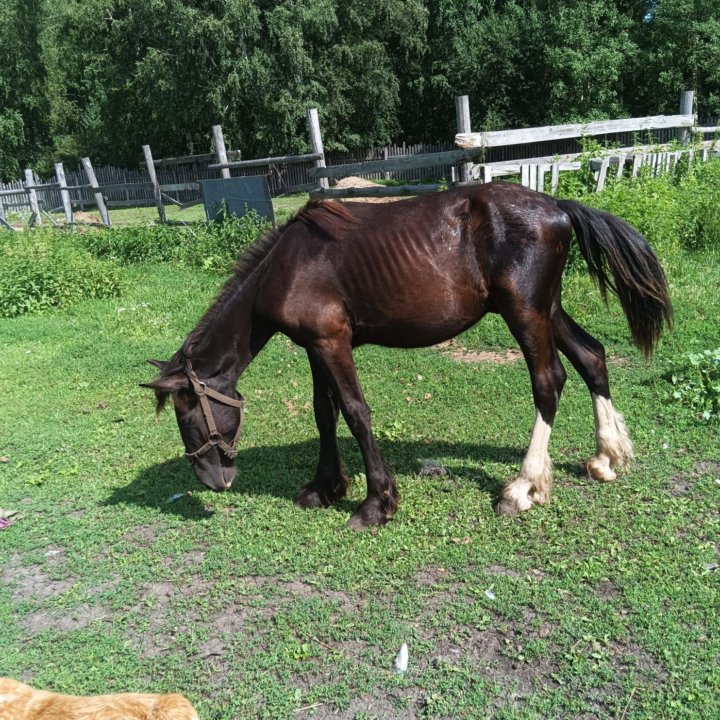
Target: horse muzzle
[215,471]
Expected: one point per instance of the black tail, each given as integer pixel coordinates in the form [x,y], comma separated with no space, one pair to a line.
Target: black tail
[637,276]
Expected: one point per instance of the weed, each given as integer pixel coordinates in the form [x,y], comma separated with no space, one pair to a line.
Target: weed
[696,382]
[43,270]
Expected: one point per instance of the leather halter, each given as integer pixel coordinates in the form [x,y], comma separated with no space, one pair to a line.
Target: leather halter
[215,439]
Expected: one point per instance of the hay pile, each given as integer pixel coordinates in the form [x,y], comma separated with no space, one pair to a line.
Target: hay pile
[358,182]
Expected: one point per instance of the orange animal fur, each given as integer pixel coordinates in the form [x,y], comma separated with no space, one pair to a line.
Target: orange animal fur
[21,702]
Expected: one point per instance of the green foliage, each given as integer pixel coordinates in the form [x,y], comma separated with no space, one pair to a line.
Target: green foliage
[43,270]
[696,383]
[136,244]
[12,137]
[675,211]
[700,205]
[211,246]
[216,246]
[103,77]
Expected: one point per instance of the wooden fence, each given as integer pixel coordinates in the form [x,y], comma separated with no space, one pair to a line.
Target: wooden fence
[531,153]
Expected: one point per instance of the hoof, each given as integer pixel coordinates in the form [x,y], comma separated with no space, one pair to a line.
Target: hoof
[599,468]
[370,514]
[510,507]
[516,498]
[320,493]
[309,497]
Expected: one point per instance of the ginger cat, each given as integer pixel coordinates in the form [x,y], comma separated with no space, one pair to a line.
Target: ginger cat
[21,702]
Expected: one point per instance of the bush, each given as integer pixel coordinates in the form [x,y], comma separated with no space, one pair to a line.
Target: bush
[214,246]
[42,270]
[218,245]
[131,245]
[674,212]
[699,198]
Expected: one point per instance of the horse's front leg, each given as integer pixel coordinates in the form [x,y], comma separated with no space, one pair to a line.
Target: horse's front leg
[334,358]
[330,482]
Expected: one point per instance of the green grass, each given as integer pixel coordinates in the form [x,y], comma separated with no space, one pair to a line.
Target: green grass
[252,607]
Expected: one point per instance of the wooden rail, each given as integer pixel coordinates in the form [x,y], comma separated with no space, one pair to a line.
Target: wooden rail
[380,191]
[575,130]
[259,162]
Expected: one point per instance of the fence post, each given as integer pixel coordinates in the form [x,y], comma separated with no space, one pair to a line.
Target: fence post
[156,185]
[462,111]
[3,220]
[220,150]
[602,174]
[317,144]
[99,199]
[34,205]
[554,178]
[687,98]
[64,193]
[525,175]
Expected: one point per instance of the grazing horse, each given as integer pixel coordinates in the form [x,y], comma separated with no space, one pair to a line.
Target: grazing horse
[412,274]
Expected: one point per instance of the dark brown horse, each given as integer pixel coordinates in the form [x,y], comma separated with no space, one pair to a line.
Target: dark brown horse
[412,274]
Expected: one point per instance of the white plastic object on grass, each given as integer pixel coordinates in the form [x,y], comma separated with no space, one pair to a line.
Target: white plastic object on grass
[489,594]
[401,660]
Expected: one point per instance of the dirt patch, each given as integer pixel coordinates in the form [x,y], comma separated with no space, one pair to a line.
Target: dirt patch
[185,561]
[347,602]
[105,586]
[708,467]
[487,356]
[64,620]
[80,216]
[431,576]
[680,485]
[158,607]
[501,570]
[457,352]
[358,182]
[365,706]
[607,590]
[140,536]
[31,583]
[497,657]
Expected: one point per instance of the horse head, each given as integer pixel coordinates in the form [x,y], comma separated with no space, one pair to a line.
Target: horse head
[209,418]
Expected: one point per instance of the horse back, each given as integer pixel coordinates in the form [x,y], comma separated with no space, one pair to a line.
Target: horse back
[407,274]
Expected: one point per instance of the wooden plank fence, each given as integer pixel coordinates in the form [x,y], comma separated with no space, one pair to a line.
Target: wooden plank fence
[531,153]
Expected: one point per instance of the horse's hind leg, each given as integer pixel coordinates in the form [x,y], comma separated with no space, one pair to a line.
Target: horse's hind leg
[587,355]
[330,483]
[532,330]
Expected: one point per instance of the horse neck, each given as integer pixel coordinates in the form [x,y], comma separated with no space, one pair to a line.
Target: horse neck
[233,335]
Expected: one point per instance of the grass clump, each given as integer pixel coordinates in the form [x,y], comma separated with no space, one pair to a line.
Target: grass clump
[214,246]
[46,270]
[696,383]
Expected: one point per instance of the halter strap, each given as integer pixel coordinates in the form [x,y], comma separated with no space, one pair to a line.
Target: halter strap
[215,439]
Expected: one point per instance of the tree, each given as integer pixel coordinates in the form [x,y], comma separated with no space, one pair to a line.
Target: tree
[680,43]
[23,86]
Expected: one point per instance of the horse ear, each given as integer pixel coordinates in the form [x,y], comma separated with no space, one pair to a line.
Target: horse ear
[169,384]
[159,364]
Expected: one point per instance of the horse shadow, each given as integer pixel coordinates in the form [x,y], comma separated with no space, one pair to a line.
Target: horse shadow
[280,470]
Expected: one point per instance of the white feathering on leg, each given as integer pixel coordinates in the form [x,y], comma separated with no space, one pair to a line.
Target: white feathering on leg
[613,446]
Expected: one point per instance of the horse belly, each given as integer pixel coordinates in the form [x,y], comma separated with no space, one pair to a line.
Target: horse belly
[420,314]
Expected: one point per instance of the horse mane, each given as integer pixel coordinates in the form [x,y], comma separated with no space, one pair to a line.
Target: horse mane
[330,219]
